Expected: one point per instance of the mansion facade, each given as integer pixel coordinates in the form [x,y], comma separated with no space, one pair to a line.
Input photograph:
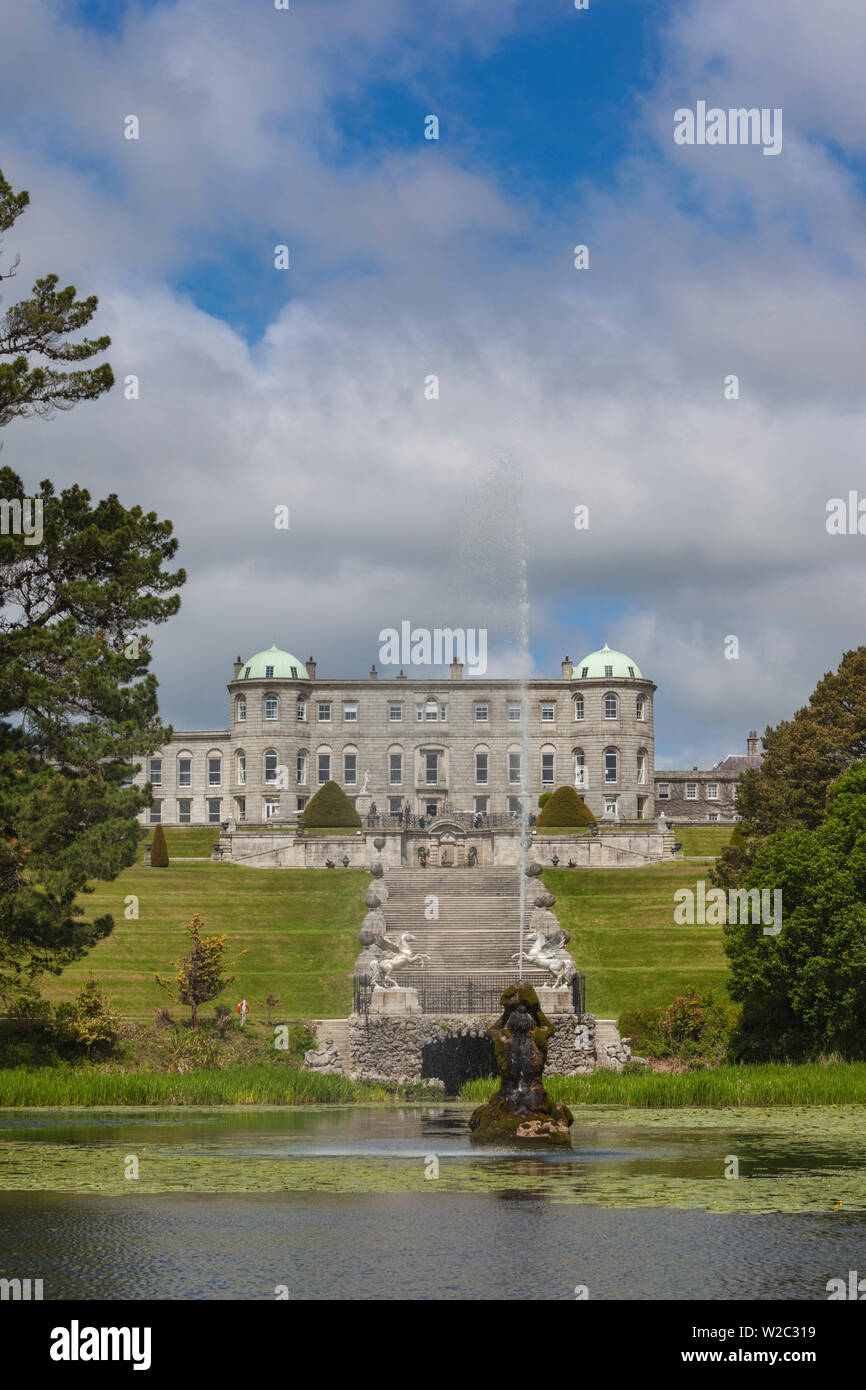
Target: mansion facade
[425,743]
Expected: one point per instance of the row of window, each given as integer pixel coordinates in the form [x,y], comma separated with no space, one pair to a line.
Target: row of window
[271,805]
[434,712]
[663,791]
[277,774]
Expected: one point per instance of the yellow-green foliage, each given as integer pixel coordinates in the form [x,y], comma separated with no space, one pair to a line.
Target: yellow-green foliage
[88,1020]
[200,976]
[565,808]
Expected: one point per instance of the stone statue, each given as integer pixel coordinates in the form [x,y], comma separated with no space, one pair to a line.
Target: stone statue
[327,1059]
[363,791]
[521,1111]
[392,955]
[472,857]
[551,955]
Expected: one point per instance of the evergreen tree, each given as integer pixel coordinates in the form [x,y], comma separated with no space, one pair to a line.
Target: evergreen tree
[32,334]
[78,712]
[201,974]
[565,808]
[158,849]
[330,808]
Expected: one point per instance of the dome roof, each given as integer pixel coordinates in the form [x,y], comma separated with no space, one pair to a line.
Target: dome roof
[274,664]
[605,664]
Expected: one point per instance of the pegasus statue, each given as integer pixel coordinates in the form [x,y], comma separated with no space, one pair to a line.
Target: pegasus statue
[550,954]
[393,956]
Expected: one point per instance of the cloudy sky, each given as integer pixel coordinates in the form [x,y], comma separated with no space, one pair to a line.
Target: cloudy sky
[409,258]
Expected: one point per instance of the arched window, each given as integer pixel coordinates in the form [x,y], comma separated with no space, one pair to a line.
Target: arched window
[395,765]
[241,764]
[240,709]
[611,765]
[350,766]
[641,765]
[302,709]
[482,765]
[579,763]
[548,765]
[514,769]
[272,707]
[578,707]
[270,767]
[214,769]
[184,768]
[302,767]
[640,706]
[431,710]
[611,707]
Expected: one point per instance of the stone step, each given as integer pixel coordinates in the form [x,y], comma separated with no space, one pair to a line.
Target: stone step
[338,1030]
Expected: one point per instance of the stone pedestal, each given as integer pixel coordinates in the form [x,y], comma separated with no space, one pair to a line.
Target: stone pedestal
[394,1001]
[363,802]
[555,1001]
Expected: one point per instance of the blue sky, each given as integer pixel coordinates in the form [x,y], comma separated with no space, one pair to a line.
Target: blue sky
[454,258]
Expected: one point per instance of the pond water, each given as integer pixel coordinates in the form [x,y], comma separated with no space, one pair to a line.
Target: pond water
[364,1202]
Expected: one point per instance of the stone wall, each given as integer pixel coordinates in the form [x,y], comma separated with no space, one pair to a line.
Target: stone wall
[382,1047]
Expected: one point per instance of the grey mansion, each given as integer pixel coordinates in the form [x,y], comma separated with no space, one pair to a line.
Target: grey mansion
[428,743]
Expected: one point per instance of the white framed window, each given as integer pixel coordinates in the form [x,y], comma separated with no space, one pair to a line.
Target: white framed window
[294,672]
[481,761]
[514,769]
[395,769]
[155,812]
[431,769]
[241,709]
[395,805]
[271,806]
[242,768]
[443,713]
[350,711]
[184,771]
[712,815]
[584,672]
[323,711]
[272,707]
[548,712]
[324,768]
[270,767]
[482,712]
[301,802]
[579,768]
[350,769]
[640,706]
[548,767]
[395,714]
[663,791]
[213,810]
[641,765]
[514,712]
[431,710]
[608,672]
[419,714]
[712,791]
[611,806]
[301,768]
[155,771]
[214,772]
[691,791]
[631,672]
[514,806]
[611,765]
[641,807]
[184,812]
[301,710]
[611,707]
[481,804]
[269,673]
[241,804]
[578,707]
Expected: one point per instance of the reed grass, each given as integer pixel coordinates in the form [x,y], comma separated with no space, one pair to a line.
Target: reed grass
[257,1085]
[815,1083]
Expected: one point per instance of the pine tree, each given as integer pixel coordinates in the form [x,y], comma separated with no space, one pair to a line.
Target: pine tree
[158,850]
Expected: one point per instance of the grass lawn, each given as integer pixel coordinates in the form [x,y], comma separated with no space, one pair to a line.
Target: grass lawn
[703,839]
[194,843]
[299,927]
[624,938]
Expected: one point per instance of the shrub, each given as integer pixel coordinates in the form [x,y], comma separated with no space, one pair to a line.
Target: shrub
[544,798]
[565,808]
[159,849]
[694,1028]
[330,808]
[301,1040]
[88,1021]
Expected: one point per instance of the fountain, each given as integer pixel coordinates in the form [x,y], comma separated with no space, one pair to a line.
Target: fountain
[521,1112]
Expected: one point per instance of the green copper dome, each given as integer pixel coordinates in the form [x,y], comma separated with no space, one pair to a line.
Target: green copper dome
[273,665]
[605,665]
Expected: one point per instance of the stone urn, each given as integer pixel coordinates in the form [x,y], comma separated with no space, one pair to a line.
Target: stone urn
[521,1114]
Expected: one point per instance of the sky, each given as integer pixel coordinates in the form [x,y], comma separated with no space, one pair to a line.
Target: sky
[410,258]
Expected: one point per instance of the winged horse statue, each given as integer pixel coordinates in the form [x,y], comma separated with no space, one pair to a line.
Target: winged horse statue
[550,954]
[396,954]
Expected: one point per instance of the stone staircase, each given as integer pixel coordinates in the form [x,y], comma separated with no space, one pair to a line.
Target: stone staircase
[478,924]
[338,1030]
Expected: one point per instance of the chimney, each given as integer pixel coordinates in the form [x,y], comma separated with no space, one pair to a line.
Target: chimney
[456,670]
[567,669]
[238,665]
[311,668]
[402,676]
[752,744]
[373,673]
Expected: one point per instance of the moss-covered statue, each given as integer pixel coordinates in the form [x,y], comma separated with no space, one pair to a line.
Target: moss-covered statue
[521,1112]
